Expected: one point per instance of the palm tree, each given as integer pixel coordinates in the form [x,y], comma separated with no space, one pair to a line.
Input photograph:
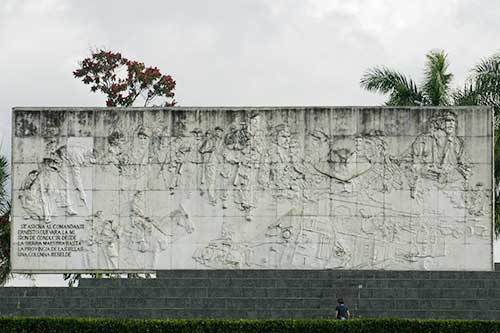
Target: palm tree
[4,224]
[482,86]
[403,91]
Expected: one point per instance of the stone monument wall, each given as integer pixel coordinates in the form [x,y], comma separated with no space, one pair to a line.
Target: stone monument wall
[101,189]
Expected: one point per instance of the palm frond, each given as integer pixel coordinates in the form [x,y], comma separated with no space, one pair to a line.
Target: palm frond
[467,95]
[4,176]
[436,85]
[496,157]
[4,223]
[5,268]
[486,76]
[401,90]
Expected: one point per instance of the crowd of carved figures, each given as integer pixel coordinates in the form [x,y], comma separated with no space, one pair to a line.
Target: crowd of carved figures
[237,167]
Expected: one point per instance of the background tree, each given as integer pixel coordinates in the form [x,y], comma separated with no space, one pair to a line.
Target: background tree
[123,81]
[4,223]
[403,91]
[482,87]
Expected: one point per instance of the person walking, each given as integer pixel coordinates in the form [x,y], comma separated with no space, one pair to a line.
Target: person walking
[342,311]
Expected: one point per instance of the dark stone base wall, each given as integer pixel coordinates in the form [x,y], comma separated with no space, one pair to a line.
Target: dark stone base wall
[267,294]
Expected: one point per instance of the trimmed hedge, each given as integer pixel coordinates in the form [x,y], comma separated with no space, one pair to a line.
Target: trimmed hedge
[63,325]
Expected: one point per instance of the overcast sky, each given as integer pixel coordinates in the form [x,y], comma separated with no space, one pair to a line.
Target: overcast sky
[236,52]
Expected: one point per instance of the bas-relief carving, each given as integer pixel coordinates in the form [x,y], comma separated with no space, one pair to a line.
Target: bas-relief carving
[439,156]
[354,202]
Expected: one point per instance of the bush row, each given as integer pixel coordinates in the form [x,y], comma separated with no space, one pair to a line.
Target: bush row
[79,325]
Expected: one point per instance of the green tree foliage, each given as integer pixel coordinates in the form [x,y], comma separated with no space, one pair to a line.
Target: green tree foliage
[4,223]
[481,88]
[403,91]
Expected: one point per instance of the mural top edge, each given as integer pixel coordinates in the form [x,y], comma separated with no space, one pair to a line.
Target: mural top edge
[249,108]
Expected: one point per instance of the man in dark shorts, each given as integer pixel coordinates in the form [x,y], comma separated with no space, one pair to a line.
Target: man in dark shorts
[342,311]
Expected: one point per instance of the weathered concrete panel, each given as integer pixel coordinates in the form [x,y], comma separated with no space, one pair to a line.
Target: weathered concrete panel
[262,188]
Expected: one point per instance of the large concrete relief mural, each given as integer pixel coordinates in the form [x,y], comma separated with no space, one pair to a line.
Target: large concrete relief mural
[252,188]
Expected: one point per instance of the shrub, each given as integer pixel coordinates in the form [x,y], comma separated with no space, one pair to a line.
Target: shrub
[81,325]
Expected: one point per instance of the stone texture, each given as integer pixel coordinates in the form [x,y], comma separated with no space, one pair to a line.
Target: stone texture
[252,188]
[267,294]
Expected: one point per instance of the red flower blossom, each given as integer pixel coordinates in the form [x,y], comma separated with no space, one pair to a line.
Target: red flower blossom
[102,70]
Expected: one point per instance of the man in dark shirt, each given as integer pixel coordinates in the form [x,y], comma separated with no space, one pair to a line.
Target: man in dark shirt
[342,311]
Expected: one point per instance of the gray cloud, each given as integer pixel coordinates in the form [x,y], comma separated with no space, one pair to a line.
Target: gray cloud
[236,52]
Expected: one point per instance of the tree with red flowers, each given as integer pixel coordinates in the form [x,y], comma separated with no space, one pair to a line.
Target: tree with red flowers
[123,81]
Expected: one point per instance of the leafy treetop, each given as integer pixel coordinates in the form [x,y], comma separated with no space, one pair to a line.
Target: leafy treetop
[104,71]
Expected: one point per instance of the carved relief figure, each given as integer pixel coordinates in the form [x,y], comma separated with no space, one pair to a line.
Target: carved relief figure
[136,167]
[238,168]
[141,147]
[476,201]
[316,164]
[116,152]
[439,155]
[257,153]
[141,227]
[285,173]
[31,196]
[103,243]
[176,172]
[211,151]
[72,158]
[38,193]
[381,170]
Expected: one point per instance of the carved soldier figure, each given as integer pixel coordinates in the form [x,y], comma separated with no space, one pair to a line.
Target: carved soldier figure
[143,231]
[116,153]
[286,174]
[137,166]
[47,175]
[316,162]
[180,149]
[107,240]
[102,244]
[317,147]
[280,156]
[140,154]
[439,155]
[141,227]
[31,196]
[237,167]
[211,151]
[380,170]
[72,158]
[257,153]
